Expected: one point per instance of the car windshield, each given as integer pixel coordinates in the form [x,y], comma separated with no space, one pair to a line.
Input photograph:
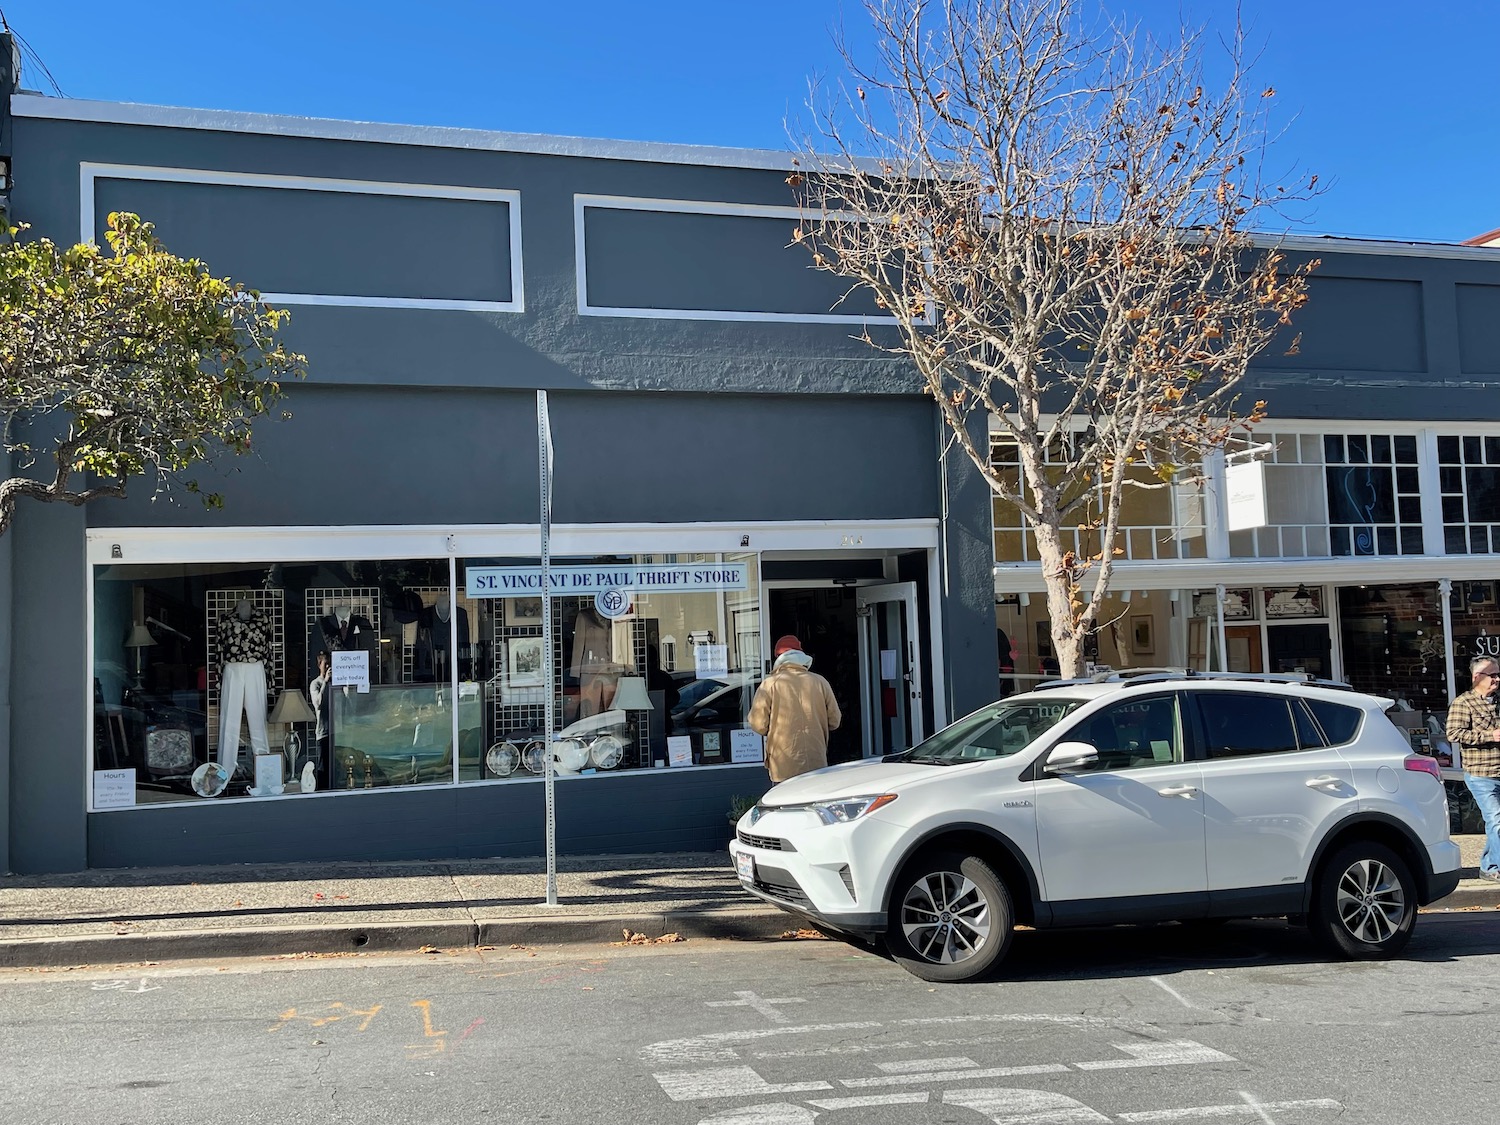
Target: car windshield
[997,731]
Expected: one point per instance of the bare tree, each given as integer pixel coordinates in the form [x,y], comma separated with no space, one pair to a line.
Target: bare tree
[1057,215]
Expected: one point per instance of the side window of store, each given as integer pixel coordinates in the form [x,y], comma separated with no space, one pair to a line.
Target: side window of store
[224,681]
[628,696]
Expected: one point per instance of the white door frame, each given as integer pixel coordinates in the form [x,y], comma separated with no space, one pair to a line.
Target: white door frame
[910,667]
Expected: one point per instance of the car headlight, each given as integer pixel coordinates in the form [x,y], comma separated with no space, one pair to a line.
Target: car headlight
[846,809]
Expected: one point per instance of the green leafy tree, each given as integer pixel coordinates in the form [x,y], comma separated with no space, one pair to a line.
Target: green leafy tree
[137,362]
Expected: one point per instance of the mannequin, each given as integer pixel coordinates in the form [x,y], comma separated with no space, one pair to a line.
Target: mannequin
[593,662]
[343,629]
[245,662]
[432,653]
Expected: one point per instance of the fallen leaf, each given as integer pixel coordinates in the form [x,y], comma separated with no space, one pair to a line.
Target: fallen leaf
[429,949]
[340,896]
[518,945]
[802,935]
[236,902]
[317,894]
[588,988]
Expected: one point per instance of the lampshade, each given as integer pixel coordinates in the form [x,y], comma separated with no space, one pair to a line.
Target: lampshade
[631,695]
[140,637]
[291,707]
[1302,594]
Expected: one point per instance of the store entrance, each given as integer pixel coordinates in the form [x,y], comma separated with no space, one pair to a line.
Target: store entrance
[1300,647]
[823,619]
[890,658]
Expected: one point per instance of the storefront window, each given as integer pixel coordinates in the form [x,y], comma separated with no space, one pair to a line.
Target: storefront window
[629,693]
[226,680]
[222,681]
[1393,642]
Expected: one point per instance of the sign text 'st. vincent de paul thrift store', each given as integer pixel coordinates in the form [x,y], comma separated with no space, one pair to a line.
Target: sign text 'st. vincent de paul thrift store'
[516,581]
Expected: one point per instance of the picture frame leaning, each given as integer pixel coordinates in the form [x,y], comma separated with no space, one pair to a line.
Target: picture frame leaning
[523,662]
[1142,635]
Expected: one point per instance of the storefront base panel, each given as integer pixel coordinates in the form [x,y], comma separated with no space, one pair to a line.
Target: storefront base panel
[652,811]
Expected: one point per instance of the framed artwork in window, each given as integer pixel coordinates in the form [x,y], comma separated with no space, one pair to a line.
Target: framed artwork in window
[523,611]
[1143,635]
[523,662]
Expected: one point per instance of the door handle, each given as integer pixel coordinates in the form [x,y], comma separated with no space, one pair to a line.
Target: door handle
[1179,791]
[1324,782]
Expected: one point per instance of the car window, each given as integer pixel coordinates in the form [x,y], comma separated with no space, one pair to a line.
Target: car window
[1339,722]
[696,692]
[1309,735]
[1135,734]
[997,731]
[1240,725]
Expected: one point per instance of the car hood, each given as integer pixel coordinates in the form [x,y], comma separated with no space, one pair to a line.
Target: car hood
[853,779]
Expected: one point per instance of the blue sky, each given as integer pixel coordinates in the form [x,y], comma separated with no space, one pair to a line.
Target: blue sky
[1393,104]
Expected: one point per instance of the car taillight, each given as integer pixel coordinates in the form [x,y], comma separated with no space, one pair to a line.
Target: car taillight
[1422,764]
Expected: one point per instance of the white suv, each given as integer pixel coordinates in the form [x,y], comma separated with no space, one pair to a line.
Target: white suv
[1167,796]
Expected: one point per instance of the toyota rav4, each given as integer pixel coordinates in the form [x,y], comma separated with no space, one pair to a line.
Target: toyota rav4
[1159,797]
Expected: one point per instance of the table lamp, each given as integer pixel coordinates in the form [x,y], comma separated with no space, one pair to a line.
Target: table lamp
[140,639]
[291,707]
[632,698]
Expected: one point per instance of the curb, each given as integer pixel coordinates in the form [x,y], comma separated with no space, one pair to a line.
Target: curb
[737,924]
[1469,895]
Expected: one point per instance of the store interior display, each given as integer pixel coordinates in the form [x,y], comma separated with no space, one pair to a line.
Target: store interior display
[225,681]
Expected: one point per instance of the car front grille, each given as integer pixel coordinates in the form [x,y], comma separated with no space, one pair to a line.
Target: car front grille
[787,892]
[765,843]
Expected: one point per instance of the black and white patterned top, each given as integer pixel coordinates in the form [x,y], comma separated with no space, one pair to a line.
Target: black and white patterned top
[246,641]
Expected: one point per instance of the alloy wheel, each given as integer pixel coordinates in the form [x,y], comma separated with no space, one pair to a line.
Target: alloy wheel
[1371,903]
[945,917]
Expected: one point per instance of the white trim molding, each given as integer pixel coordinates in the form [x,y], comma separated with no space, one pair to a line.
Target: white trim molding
[583,202]
[90,173]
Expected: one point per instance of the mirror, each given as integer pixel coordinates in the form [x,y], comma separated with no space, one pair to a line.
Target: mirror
[1071,757]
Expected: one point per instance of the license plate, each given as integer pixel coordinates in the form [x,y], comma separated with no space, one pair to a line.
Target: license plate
[745,865]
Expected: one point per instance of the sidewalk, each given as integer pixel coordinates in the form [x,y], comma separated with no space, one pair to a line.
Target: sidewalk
[107,917]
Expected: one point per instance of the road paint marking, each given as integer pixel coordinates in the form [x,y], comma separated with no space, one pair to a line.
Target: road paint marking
[779,1113]
[726,1082]
[870,1048]
[910,1066]
[955,1075]
[1253,1104]
[760,1003]
[868,1100]
[1173,1052]
[342,1012]
[1169,990]
[124,986]
[437,1041]
[716,1046]
[1233,1110]
[471,1029]
[1025,1107]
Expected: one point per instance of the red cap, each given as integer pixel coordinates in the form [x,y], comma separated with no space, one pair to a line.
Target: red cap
[787,643]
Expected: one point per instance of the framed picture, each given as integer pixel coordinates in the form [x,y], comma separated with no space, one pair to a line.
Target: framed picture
[523,662]
[1142,635]
[523,611]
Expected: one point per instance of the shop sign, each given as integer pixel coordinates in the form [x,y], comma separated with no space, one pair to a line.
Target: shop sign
[746,746]
[1284,602]
[1486,644]
[1245,489]
[516,581]
[114,789]
[1239,605]
[612,604]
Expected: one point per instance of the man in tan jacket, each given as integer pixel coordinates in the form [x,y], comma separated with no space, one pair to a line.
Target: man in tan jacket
[794,710]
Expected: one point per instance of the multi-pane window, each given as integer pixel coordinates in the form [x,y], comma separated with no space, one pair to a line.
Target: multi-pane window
[1157,521]
[1469,476]
[1374,500]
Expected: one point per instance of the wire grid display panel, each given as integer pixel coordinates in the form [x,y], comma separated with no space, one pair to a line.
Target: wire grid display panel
[320,600]
[429,596]
[272,603]
[527,717]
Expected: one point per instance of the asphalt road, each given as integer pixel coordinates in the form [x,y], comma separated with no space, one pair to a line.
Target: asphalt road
[1245,1023]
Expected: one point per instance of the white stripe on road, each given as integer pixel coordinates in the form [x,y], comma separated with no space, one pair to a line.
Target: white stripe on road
[954,1075]
[1174,1052]
[727,1082]
[867,1100]
[1169,990]
[909,1066]
[1242,1110]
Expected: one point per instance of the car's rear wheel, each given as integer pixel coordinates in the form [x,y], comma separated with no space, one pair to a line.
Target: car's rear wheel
[951,918]
[1365,903]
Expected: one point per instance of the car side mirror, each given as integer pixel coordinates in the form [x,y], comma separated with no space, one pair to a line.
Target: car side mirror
[1071,757]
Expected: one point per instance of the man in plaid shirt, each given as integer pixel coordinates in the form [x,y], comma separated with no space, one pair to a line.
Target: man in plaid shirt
[1474,727]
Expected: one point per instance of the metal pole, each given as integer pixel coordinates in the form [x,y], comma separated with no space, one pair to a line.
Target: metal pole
[544,449]
[1223,652]
[1445,591]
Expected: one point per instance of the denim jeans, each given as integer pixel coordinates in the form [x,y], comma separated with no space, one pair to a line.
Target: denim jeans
[1486,792]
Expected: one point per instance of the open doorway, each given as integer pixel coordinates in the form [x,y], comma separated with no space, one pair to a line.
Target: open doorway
[823,619]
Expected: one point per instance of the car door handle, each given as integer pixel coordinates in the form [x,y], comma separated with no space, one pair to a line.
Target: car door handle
[1179,791]
[1324,782]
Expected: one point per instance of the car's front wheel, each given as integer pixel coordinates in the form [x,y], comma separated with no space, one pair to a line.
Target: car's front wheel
[1365,903]
[950,919]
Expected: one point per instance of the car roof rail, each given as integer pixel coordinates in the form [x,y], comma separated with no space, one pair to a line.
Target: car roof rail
[1152,675]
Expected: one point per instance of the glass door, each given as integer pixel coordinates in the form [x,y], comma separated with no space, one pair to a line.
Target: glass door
[890,658]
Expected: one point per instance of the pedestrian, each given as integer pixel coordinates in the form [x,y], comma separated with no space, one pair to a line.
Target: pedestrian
[1474,727]
[793,711]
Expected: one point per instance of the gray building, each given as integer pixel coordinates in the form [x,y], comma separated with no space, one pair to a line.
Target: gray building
[730,466]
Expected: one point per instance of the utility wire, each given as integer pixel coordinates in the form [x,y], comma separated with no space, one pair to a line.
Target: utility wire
[28,53]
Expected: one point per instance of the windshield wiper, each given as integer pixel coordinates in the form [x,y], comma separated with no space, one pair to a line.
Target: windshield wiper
[928,759]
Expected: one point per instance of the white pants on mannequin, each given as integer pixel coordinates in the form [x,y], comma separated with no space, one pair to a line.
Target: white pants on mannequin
[242,690]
